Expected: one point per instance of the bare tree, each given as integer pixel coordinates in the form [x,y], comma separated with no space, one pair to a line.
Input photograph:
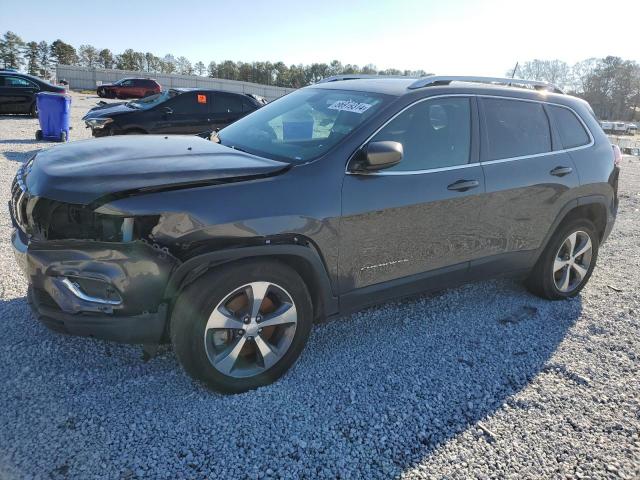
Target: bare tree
[183,66]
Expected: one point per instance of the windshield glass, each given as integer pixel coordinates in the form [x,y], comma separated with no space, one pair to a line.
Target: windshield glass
[303,125]
[152,100]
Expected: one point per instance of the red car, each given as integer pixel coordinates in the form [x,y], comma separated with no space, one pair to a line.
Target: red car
[129,88]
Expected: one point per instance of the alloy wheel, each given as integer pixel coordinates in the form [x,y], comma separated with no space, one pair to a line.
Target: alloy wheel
[572,261]
[250,330]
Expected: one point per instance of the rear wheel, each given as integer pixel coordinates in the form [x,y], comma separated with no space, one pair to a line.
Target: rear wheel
[242,326]
[567,262]
[33,111]
[63,136]
[38,134]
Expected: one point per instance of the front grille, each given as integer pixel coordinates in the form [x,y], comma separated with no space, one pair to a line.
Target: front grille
[20,200]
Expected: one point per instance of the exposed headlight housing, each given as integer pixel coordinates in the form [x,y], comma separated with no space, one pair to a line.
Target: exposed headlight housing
[98,122]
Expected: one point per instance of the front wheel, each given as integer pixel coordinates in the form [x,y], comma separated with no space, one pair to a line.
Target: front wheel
[242,326]
[33,111]
[566,264]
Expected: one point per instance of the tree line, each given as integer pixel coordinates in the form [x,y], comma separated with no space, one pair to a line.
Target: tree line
[40,58]
[611,84]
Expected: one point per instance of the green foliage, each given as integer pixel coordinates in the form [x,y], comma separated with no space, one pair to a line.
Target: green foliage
[32,55]
[11,46]
[64,54]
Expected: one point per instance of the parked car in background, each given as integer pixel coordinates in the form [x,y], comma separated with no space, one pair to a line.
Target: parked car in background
[337,196]
[178,110]
[618,128]
[129,88]
[18,92]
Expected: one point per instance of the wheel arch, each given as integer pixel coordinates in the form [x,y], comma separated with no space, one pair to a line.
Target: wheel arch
[593,208]
[303,259]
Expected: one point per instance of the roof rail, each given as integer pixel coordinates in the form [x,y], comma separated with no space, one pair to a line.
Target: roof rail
[358,76]
[434,80]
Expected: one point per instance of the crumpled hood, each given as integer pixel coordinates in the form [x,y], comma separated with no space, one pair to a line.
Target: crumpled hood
[108,110]
[82,172]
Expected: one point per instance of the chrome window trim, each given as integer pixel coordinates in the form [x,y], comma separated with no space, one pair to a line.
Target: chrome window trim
[475,164]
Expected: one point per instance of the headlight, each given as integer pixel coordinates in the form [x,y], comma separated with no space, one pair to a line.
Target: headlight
[98,122]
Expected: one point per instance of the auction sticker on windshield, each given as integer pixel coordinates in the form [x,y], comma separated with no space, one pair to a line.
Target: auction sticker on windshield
[350,106]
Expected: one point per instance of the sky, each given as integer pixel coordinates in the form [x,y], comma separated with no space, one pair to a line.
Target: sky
[452,37]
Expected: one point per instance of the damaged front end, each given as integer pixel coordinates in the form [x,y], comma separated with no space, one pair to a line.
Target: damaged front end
[91,274]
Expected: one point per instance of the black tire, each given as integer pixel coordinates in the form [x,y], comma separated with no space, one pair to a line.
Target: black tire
[63,136]
[541,280]
[198,301]
[38,134]
[33,110]
[100,93]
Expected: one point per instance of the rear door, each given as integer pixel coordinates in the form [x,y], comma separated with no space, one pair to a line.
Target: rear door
[225,109]
[186,113]
[16,94]
[529,177]
[424,214]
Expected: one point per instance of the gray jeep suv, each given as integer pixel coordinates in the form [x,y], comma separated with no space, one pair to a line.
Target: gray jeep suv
[337,196]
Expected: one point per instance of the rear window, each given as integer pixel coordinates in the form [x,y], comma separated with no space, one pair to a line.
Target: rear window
[247,106]
[572,133]
[515,128]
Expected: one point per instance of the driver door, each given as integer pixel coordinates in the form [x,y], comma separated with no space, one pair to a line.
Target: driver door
[423,214]
[16,94]
[186,113]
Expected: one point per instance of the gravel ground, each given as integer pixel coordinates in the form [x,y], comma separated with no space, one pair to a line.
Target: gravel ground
[483,381]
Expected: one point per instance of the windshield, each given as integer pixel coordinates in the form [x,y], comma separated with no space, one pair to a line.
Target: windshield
[152,100]
[303,125]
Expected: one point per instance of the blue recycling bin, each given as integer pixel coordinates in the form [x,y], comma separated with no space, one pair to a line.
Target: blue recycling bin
[54,111]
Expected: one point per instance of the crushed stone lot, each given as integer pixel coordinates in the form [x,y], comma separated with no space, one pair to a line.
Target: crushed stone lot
[482,381]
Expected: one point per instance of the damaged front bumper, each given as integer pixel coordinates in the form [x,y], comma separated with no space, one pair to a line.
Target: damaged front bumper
[106,290]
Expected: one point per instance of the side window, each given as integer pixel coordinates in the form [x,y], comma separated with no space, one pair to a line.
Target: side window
[434,134]
[515,128]
[127,83]
[227,104]
[572,132]
[17,82]
[186,103]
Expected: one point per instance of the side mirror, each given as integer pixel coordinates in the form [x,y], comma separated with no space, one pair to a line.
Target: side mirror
[167,110]
[377,156]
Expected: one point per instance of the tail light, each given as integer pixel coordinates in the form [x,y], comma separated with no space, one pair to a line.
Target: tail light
[617,155]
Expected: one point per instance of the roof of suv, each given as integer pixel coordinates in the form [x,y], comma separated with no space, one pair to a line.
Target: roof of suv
[401,86]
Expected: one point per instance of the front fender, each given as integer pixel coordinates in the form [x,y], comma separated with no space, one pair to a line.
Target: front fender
[315,271]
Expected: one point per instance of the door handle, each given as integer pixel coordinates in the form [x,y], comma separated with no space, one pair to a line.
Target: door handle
[561,171]
[463,185]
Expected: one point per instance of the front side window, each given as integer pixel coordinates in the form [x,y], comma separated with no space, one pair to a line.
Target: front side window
[572,133]
[302,125]
[434,134]
[515,128]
